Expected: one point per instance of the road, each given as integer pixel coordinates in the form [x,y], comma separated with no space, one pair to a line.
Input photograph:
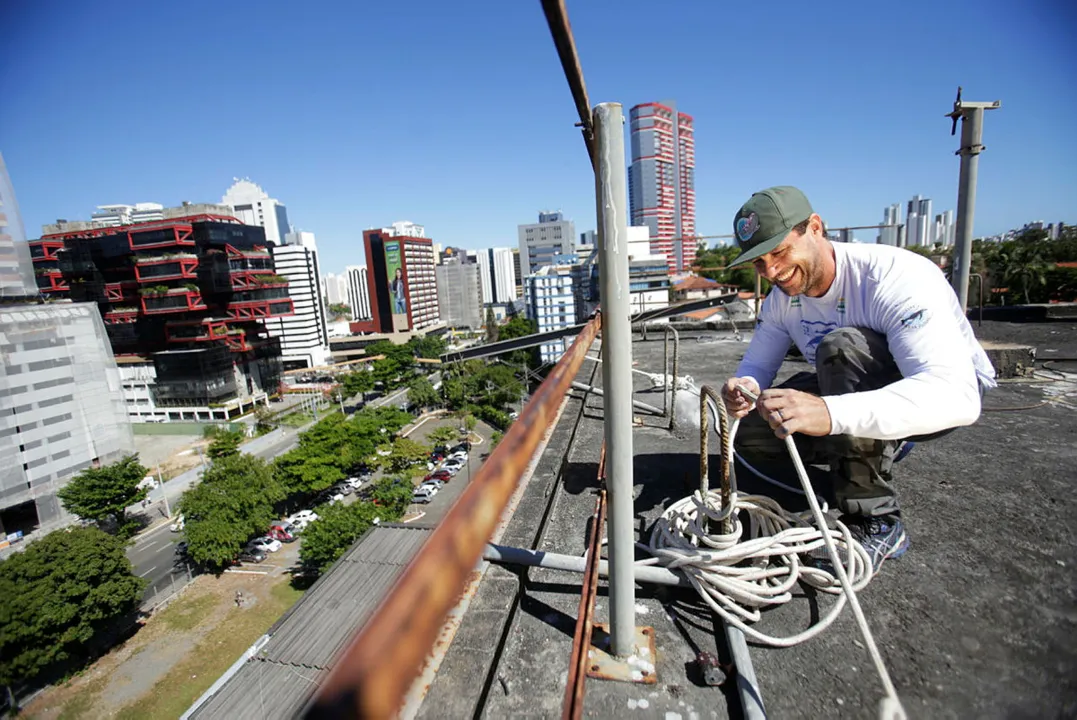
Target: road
[153,553]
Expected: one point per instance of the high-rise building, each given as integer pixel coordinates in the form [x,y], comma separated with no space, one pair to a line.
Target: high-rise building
[116,215]
[551,302]
[253,206]
[358,293]
[588,243]
[304,338]
[919,225]
[944,228]
[497,273]
[401,281]
[16,269]
[335,288]
[891,216]
[539,242]
[661,181]
[648,273]
[460,294]
[184,302]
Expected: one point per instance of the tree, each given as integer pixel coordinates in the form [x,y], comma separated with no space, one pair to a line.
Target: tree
[340,310]
[470,422]
[495,438]
[57,595]
[405,453]
[387,371]
[336,529]
[421,392]
[265,419]
[359,383]
[491,326]
[428,346]
[225,443]
[392,496]
[105,493]
[233,503]
[442,435]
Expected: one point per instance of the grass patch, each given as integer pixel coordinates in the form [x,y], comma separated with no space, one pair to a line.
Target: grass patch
[296,419]
[187,612]
[191,677]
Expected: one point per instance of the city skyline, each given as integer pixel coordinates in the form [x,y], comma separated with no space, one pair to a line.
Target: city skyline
[450,167]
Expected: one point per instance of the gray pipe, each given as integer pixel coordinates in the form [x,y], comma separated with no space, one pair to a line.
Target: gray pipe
[751,699]
[598,391]
[571,563]
[612,202]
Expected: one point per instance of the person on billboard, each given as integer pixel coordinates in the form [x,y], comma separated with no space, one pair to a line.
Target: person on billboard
[397,288]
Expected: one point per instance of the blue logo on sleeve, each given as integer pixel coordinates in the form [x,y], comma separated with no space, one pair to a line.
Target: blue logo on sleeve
[915,319]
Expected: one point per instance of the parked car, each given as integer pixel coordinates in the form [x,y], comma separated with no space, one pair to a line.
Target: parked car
[303,517]
[181,548]
[436,484]
[265,544]
[463,446]
[343,488]
[423,494]
[354,482]
[252,556]
[177,525]
[441,475]
[278,533]
[329,497]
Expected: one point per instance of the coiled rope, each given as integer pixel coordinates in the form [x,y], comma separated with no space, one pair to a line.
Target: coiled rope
[701,536]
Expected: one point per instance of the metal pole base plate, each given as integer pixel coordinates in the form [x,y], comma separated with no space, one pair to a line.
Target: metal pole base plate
[639,667]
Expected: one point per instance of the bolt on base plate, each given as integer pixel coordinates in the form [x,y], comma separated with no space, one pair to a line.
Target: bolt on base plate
[639,667]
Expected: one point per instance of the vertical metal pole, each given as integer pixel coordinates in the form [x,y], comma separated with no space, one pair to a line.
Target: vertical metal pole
[617,369]
[971,133]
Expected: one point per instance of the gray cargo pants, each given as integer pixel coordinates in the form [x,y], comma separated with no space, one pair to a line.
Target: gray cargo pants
[850,359]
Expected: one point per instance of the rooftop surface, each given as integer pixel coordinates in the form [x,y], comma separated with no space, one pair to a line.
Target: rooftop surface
[977,620]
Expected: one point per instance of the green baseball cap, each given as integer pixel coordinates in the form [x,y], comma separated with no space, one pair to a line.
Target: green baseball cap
[763,222]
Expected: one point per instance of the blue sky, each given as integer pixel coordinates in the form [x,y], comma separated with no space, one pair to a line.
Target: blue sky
[458,116]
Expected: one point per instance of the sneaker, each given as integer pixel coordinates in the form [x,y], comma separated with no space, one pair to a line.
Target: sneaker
[903,449]
[883,537]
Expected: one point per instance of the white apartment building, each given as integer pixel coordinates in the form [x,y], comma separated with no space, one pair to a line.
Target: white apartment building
[335,288]
[541,242]
[253,206]
[304,338]
[648,273]
[551,303]
[63,409]
[116,215]
[406,228]
[497,273]
[358,293]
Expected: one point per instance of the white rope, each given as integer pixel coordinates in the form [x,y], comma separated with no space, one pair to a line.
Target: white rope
[738,579]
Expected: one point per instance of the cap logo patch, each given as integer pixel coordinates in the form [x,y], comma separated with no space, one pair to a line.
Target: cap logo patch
[746,227]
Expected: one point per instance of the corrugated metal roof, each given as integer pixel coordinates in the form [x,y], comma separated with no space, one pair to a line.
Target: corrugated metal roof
[279,680]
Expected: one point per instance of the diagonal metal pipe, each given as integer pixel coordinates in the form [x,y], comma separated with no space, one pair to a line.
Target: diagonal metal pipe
[374,673]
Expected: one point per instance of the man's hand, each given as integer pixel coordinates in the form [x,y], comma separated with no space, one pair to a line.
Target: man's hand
[790,411]
[736,403]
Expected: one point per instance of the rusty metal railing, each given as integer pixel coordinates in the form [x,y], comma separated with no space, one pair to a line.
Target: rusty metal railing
[374,673]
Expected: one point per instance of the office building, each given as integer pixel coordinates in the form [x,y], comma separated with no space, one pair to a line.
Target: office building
[184,302]
[304,338]
[116,215]
[539,242]
[648,273]
[402,287]
[497,273]
[551,302]
[358,293]
[460,294]
[661,181]
[919,228]
[588,243]
[64,411]
[59,389]
[253,206]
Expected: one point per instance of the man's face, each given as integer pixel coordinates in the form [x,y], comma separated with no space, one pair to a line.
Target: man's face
[795,265]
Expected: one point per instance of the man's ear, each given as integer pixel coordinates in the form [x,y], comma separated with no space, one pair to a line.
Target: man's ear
[816,224]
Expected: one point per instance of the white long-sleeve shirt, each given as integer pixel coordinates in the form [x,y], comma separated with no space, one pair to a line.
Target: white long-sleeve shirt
[904,297]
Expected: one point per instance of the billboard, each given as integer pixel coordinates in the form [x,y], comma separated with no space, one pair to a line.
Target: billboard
[398,292]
